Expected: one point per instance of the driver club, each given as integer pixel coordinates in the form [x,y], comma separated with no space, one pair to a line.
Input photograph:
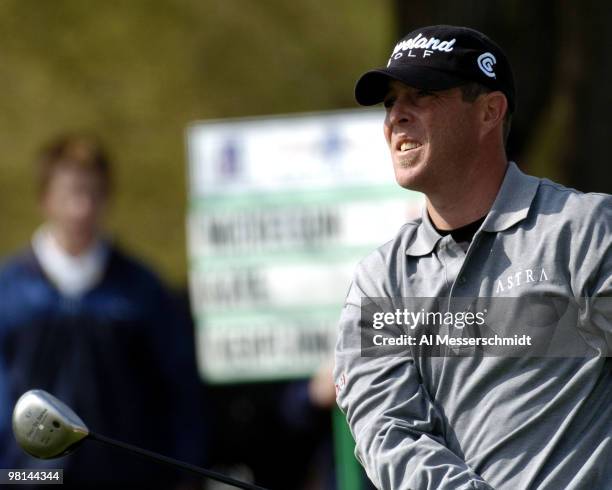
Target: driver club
[47,428]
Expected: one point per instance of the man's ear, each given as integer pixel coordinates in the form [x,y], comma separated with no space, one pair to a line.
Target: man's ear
[494,106]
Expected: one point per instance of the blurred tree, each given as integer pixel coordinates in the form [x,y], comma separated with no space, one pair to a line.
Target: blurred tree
[137,72]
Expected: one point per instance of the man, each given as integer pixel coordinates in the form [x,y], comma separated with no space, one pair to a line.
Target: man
[460,414]
[82,320]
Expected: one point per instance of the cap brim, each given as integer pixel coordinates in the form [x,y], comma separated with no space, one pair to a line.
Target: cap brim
[373,85]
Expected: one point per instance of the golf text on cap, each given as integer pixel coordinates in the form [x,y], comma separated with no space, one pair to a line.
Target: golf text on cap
[485,63]
[419,42]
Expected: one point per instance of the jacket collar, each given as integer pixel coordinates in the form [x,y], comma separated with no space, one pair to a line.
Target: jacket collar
[509,208]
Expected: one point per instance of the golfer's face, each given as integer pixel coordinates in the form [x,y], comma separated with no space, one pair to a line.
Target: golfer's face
[427,132]
[74,201]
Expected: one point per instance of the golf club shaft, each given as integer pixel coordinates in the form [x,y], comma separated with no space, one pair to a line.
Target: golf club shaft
[174,462]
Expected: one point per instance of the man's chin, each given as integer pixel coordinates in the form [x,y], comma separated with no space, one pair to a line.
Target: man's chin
[409,178]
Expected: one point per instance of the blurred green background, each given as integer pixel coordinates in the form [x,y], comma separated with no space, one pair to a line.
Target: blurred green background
[137,72]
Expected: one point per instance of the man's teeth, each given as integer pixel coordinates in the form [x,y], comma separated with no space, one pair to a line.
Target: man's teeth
[409,146]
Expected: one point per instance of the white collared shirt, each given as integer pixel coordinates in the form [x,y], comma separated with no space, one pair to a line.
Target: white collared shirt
[72,275]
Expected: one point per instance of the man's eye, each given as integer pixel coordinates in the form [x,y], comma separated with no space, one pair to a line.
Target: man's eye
[388,102]
[424,93]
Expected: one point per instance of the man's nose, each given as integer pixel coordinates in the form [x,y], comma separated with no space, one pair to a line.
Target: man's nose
[86,204]
[400,112]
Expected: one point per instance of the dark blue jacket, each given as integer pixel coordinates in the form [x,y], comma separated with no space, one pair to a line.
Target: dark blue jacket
[120,356]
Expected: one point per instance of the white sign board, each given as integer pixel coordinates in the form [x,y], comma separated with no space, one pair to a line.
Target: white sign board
[280,211]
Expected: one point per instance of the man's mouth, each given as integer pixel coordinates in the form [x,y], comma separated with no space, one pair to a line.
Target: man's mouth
[409,145]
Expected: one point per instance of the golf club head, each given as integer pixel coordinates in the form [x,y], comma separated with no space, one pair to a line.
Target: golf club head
[45,427]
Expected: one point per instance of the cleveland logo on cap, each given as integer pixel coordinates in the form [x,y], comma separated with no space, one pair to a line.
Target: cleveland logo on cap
[420,42]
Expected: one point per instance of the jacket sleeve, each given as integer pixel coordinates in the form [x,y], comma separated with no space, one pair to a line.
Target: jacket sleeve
[398,430]
[6,404]
[6,437]
[173,343]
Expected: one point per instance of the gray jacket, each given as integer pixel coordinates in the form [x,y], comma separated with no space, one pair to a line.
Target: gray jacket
[476,422]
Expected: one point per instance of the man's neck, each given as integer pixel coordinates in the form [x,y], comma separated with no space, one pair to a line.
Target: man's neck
[466,201]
